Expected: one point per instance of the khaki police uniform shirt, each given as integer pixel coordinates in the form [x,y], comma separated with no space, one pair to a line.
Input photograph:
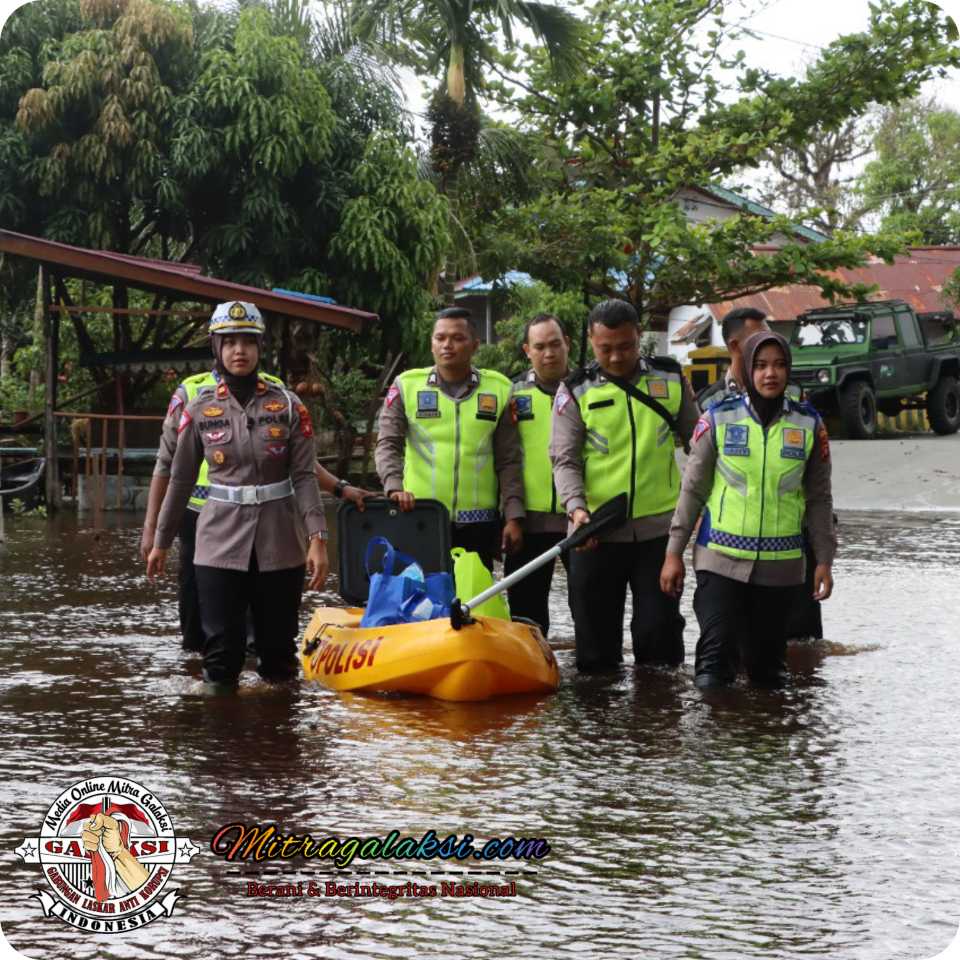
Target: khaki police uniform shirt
[566,452]
[168,433]
[536,520]
[507,456]
[695,490]
[267,441]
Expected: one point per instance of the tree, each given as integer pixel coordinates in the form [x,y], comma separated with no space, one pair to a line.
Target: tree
[656,109]
[914,182]
[821,175]
[255,142]
[461,35]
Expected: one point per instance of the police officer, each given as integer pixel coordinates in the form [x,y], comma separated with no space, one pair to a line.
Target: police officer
[760,464]
[257,440]
[188,603]
[547,348]
[735,327]
[446,434]
[605,442]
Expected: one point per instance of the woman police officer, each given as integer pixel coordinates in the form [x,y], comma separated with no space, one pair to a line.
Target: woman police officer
[257,440]
[759,467]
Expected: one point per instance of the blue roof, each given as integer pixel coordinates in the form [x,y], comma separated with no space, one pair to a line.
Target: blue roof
[512,278]
[315,297]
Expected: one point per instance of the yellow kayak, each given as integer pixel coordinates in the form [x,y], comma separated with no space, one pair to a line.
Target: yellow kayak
[487,658]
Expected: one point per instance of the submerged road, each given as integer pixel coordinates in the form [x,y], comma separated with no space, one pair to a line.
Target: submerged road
[818,822]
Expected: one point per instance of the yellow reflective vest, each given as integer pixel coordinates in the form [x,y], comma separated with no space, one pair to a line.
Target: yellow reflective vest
[532,408]
[448,454]
[755,509]
[629,448]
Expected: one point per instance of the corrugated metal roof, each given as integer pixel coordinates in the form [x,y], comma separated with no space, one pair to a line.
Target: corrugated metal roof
[917,277]
[180,280]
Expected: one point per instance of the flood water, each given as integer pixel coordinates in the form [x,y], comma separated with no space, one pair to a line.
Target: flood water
[819,822]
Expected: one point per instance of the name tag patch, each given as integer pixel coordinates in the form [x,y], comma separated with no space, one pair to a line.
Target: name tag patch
[486,406]
[428,404]
[794,443]
[523,407]
[736,442]
[658,389]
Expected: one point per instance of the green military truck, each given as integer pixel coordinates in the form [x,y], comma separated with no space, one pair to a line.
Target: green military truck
[856,359]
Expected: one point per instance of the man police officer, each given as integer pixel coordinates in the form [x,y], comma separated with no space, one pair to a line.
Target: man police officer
[606,442]
[446,434]
[547,348]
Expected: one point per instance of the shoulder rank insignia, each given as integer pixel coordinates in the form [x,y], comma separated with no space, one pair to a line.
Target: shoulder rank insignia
[306,425]
[222,391]
[261,387]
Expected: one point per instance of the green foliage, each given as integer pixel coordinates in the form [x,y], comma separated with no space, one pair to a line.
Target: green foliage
[915,179]
[647,116]
[521,304]
[265,145]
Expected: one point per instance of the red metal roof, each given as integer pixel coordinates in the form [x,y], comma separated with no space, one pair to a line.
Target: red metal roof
[917,277]
[179,279]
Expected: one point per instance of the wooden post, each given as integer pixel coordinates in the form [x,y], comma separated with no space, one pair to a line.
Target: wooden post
[51,331]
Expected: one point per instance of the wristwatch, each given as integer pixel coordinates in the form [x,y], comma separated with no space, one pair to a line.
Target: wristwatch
[339,487]
[320,535]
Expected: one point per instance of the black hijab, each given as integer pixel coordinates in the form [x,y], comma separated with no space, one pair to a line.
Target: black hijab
[241,388]
[766,408]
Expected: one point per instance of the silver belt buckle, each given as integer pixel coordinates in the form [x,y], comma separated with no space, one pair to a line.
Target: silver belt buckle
[248,496]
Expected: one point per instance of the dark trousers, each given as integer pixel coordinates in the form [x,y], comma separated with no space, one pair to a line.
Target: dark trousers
[191,630]
[804,618]
[274,600]
[598,593]
[530,598]
[482,538]
[740,622]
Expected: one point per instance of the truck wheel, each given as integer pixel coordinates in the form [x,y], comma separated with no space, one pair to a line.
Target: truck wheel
[858,410]
[943,406]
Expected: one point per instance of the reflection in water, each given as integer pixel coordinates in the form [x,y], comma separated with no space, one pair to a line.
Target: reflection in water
[804,823]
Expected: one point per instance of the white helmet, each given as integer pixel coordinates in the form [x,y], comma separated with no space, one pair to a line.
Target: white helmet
[237,316]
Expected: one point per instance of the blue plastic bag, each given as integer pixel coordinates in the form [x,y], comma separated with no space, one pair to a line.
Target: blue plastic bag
[406,596]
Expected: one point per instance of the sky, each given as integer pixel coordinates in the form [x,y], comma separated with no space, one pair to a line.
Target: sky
[790,33]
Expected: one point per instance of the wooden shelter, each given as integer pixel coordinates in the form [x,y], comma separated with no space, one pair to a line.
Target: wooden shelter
[170,284]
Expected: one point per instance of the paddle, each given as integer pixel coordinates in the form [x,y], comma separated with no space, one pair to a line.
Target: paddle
[610,514]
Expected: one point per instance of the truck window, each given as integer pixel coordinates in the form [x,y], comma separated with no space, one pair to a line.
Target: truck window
[938,328]
[909,334]
[828,333]
[884,335]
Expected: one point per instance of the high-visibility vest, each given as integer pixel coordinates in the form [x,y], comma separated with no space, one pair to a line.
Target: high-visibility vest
[629,448]
[448,454]
[755,509]
[532,408]
[192,387]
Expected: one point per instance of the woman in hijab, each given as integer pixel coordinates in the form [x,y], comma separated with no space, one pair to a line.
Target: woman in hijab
[257,440]
[759,468]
